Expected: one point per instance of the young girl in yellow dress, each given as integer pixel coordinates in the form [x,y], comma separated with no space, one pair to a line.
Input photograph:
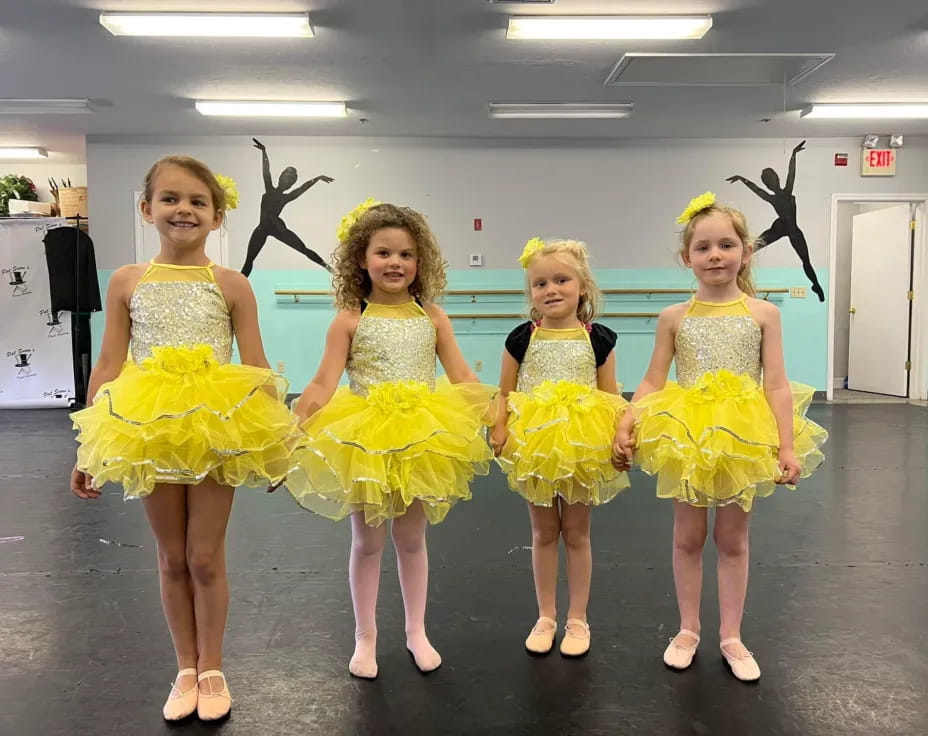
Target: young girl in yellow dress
[554,441]
[179,426]
[394,443]
[727,432]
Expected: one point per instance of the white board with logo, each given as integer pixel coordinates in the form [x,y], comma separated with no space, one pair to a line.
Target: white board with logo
[36,364]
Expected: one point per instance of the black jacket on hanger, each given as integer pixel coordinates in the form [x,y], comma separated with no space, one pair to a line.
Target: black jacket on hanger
[72,271]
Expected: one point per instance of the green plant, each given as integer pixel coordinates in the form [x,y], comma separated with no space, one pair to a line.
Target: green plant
[13,186]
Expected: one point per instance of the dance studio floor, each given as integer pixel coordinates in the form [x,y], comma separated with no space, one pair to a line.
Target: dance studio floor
[836,612]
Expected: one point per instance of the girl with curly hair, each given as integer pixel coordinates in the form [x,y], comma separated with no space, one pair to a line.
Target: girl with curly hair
[395,443]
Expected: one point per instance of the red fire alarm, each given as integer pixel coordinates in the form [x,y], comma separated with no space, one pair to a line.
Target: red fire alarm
[478,224]
[840,159]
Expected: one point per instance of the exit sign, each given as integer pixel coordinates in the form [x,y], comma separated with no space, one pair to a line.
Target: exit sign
[878,162]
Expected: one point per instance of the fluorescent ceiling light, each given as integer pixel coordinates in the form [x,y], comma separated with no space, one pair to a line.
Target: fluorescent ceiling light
[274,25]
[45,107]
[246,108]
[608,26]
[893,111]
[23,152]
[560,110]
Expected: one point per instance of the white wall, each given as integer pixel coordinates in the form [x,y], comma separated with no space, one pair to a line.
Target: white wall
[620,196]
[40,173]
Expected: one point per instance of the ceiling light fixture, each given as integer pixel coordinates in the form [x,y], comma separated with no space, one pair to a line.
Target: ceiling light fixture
[264,25]
[12,106]
[257,108]
[19,152]
[553,110]
[592,27]
[891,111]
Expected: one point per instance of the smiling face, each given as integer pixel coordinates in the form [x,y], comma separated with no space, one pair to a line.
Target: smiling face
[181,208]
[390,260]
[556,288]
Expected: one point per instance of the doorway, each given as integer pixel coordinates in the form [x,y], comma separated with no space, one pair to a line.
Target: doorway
[878,311]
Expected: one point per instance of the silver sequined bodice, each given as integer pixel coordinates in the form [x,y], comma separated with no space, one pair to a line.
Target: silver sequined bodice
[388,345]
[570,360]
[706,344]
[177,313]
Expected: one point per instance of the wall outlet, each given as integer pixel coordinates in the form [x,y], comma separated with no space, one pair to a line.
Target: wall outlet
[281,367]
[476,259]
[478,366]
[797,292]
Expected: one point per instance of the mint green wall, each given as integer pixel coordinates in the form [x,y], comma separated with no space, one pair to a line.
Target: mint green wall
[294,334]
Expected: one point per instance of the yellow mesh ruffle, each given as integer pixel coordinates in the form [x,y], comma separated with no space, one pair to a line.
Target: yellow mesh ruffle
[179,417]
[560,444]
[716,443]
[402,442]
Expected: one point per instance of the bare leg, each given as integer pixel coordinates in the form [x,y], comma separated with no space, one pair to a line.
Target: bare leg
[546,530]
[575,528]
[689,537]
[166,509]
[731,541]
[208,507]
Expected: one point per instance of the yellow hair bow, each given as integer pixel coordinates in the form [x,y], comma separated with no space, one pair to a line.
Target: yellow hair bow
[348,221]
[227,183]
[531,248]
[703,202]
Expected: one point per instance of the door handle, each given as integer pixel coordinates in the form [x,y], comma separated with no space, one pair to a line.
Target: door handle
[852,310]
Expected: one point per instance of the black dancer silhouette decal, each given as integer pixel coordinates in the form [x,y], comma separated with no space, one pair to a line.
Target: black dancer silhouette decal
[273,201]
[783,201]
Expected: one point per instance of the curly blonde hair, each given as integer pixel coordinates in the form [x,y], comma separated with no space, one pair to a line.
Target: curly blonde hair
[352,282]
[574,254]
[740,224]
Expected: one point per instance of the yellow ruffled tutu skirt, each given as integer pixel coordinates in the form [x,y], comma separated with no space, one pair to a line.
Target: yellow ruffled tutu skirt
[179,417]
[716,442]
[560,444]
[403,442]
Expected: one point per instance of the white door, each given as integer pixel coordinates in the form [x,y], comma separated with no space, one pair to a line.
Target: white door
[148,244]
[878,343]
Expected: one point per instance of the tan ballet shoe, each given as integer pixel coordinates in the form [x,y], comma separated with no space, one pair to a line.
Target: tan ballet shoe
[541,638]
[212,706]
[745,668]
[679,656]
[180,705]
[576,641]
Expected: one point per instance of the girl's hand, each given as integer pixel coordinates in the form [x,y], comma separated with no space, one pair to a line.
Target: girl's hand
[82,485]
[623,449]
[789,467]
[498,438]
[258,144]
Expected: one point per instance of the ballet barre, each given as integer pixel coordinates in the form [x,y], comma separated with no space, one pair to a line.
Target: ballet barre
[621,315]
[474,293]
